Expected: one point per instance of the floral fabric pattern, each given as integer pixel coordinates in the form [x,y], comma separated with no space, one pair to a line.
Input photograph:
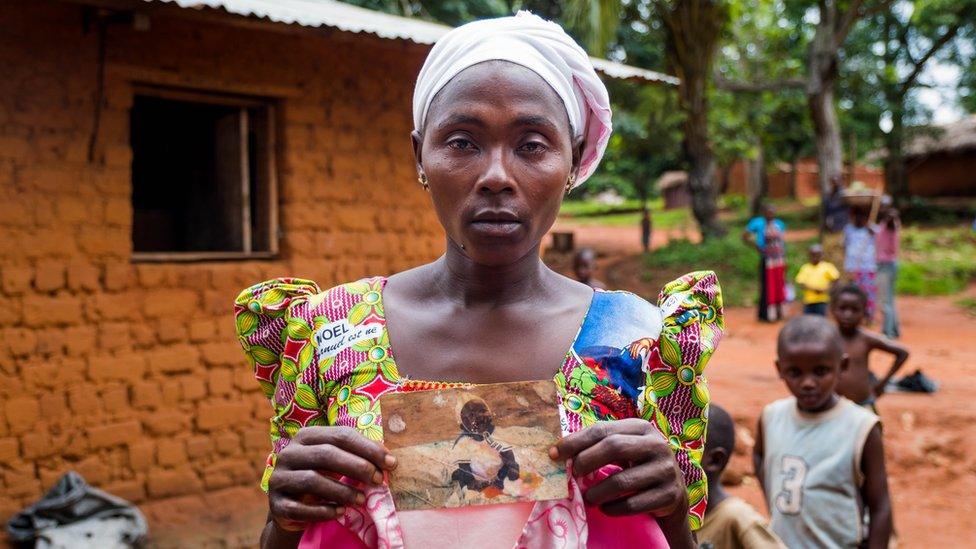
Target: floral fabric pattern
[324,358]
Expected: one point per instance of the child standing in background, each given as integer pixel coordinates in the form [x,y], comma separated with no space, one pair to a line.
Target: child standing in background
[818,457]
[584,263]
[730,523]
[815,278]
[889,234]
[860,258]
[857,382]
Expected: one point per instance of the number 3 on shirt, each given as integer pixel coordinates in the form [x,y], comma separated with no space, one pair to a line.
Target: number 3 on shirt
[789,500]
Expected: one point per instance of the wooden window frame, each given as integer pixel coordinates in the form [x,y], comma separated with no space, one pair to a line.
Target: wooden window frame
[270,165]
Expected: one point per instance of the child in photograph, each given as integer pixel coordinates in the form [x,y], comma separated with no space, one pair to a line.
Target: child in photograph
[819,457]
[815,279]
[584,264]
[730,523]
[857,383]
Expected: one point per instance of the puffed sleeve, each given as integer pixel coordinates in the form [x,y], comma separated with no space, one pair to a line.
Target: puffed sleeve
[274,330]
[676,398]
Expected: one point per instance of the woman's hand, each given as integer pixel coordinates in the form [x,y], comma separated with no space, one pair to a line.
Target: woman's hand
[650,481]
[304,486]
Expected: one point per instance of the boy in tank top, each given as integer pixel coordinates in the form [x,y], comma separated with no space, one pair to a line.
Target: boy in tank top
[818,456]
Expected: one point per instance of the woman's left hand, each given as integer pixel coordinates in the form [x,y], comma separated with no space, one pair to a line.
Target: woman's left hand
[650,481]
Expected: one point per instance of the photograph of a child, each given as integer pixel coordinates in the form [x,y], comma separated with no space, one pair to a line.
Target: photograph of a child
[474,446]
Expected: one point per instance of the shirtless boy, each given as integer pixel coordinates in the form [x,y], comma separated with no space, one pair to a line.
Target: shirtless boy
[848,305]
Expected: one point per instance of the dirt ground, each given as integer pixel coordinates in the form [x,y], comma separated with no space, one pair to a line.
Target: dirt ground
[928,438]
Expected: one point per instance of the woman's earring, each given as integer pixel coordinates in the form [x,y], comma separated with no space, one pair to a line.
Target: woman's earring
[422,178]
[570,183]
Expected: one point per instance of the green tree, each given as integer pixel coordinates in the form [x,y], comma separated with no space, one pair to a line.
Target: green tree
[894,48]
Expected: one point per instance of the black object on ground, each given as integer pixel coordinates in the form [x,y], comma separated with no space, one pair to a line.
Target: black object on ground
[73,514]
[917,382]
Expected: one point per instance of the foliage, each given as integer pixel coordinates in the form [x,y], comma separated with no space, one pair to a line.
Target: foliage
[969,305]
[936,261]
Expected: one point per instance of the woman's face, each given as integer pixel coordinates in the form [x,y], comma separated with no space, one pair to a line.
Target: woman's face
[497,152]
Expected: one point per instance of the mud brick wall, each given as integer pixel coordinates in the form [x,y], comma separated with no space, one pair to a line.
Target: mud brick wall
[130,372]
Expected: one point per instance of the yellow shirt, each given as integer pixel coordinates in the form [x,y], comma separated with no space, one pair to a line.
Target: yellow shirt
[733,524]
[816,280]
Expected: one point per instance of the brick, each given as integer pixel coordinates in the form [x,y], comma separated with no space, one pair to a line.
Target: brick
[114,336]
[78,340]
[146,395]
[12,312]
[193,388]
[16,280]
[222,354]
[227,443]
[54,407]
[77,447]
[133,491]
[166,423]
[49,276]
[141,455]
[143,335]
[22,414]
[168,303]
[14,147]
[244,381]
[83,276]
[37,445]
[114,434]
[113,307]
[237,470]
[171,330]
[170,453]
[126,367]
[216,415]
[155,276]
[83,400]
[43,311]
[118,276]
[115,397]
[199,447]
[118,212]
[9,450]
[49,243]
[256,440]
[19,342]
[95,469]
[220,382]
[202,331]
[175,359]
[74,210]
[21,483]
[56,179]
[105,241]
[163,483]
[172,391]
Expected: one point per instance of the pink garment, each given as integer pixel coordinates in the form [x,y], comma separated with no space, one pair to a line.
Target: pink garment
[562,524]
[886,243]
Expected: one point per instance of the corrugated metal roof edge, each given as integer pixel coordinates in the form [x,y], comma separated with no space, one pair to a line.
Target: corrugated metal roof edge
[355,19]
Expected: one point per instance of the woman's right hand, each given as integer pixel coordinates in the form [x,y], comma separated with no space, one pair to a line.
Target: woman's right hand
[304,486]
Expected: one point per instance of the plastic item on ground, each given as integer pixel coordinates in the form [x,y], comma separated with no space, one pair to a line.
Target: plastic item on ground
[74,515]
[917,382]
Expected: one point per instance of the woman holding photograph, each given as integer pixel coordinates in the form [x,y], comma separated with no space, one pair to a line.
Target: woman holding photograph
[509,115]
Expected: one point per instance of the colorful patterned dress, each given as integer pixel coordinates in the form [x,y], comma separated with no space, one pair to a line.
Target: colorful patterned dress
[324,358]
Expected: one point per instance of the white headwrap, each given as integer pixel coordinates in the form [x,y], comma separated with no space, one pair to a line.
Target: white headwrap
[538,45]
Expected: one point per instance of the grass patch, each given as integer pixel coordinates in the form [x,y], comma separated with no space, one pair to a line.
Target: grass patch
[585,212]
[736,265]
[938,261]
[969,305]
